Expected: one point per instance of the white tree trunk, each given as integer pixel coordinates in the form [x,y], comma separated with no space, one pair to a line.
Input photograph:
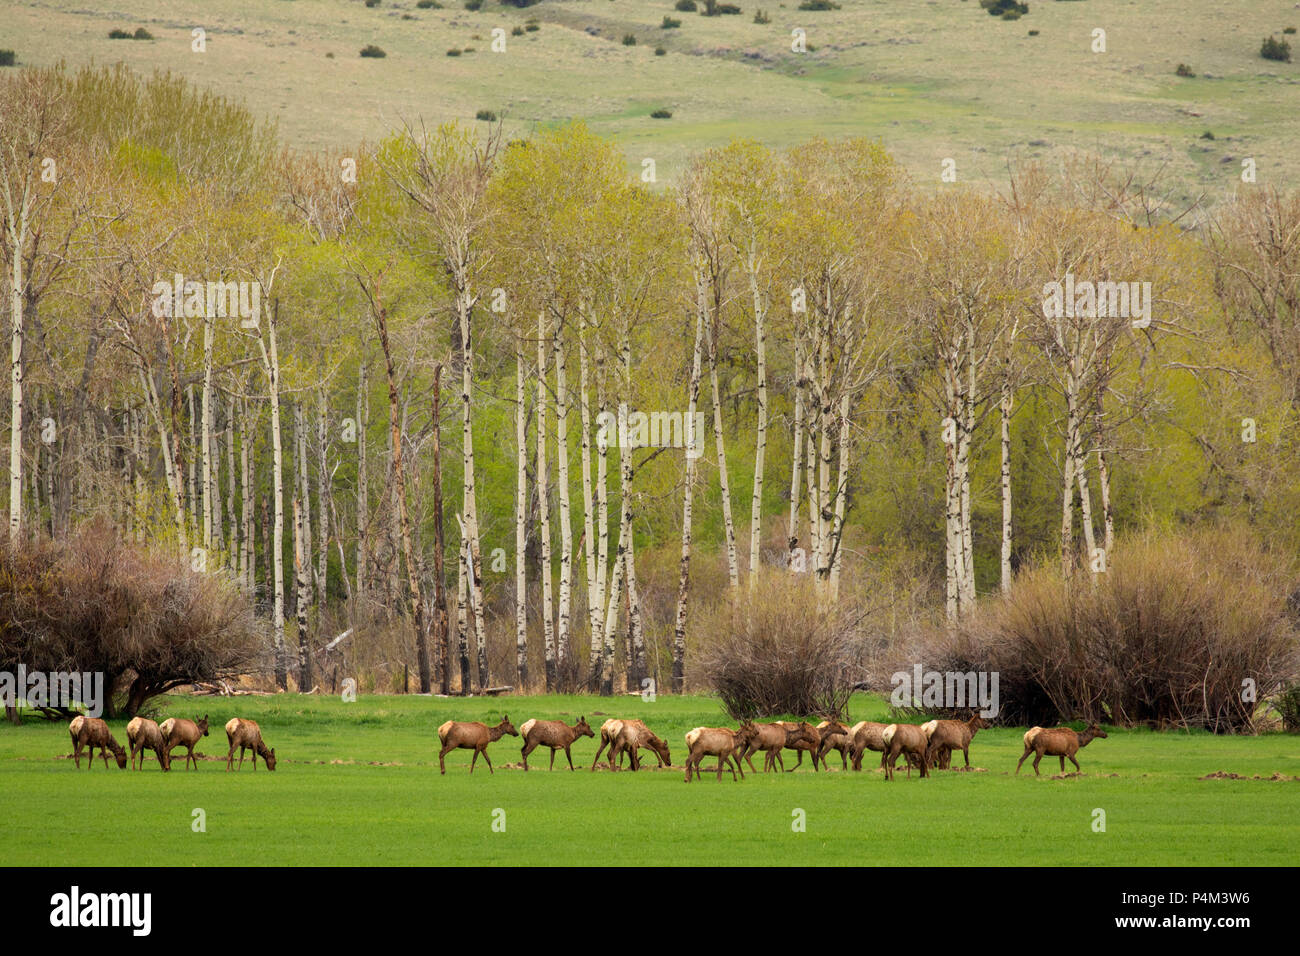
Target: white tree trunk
[733,571]
[1005,407]
[760,449]
[544,505]
[521,519]
[694,444]
[563,662]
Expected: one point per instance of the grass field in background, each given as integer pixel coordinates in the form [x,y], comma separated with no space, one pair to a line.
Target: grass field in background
[358,784]
[932,80]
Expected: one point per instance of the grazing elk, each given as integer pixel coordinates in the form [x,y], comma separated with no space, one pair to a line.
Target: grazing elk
[177,731]
[631,737]
[840,740]
[948,735]
[906,739]
[827,728]
[720,742]
[555,734]
[143,734]
[246,735]
[92,732]
[773,738]
[471,735]
[1057,742]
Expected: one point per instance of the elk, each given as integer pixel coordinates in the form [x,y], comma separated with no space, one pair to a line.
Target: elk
[555,734]
[246,735]
[907,739]
[824,729]
[143,734]
[832,739]
[609,731]
[633,735]
[92,732]
[720,742]
[869,735]
[865,735]
[948,735]
[471,735]
[768,738]
[178,730]
[1057,742]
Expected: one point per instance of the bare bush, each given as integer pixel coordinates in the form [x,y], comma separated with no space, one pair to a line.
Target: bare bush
[1187,630]
[141,616]
[775,653]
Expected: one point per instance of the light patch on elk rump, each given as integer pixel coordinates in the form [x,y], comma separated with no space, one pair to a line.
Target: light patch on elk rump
[74,728]
[442,731]
[927,728]
[888,735]
[527,726]
[1030,734]
[693,735]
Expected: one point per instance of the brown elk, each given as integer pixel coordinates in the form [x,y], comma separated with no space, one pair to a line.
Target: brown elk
[631,737]
[609,731]
[92,732]
[143,734]
[906,739]
[773,738]
[471,735]
[948,735]
[832,739]
[720,742]
[827,728]
[177,731]
[555,734]
[246,735]
[1057,742]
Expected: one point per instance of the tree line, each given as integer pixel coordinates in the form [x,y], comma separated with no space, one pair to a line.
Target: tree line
[255,355]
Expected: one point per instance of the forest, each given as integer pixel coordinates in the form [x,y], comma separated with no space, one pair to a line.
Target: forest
[453,412]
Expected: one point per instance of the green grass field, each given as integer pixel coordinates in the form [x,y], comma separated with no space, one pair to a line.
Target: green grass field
[358,784]
[932,80]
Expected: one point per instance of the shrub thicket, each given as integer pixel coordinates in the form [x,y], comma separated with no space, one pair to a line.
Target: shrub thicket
[774,653]
[1172,634]
[138,615]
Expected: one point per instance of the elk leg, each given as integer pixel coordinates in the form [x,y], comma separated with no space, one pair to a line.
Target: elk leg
[1037,757]
[552,758]
[1075,762]
[488,759]
[230,758]
[1022,758]
[1062,765]
[525,750]
[965,752]
[796,763]
[474,760]
[441,755]
[599,751]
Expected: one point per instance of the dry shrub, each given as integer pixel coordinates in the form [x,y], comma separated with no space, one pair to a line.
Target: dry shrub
[775,653]
[139,615]
[1170,635]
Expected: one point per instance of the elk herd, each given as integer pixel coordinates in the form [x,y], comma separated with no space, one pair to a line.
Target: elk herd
[144,734]
[922,746]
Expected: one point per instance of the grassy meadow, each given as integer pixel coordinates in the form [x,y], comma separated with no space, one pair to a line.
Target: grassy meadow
[933,80]
[358,784]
